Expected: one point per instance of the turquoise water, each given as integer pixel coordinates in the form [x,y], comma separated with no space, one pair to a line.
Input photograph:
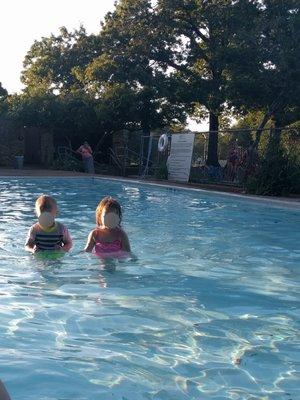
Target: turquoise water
[210,310]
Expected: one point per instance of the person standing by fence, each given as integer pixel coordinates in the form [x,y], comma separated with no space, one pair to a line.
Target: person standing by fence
[87,157]
[232,163]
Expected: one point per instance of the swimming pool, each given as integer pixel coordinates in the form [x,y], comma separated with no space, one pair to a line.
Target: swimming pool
[210,310]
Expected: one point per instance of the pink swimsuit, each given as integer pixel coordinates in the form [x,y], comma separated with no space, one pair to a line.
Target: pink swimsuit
[110,249]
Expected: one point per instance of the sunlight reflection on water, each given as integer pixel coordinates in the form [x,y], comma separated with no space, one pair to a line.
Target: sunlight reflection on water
[210,310]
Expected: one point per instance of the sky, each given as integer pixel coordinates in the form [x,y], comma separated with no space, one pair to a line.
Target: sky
[23,21]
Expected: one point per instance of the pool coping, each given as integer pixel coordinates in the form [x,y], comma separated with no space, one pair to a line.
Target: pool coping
[290,202]
[175,185]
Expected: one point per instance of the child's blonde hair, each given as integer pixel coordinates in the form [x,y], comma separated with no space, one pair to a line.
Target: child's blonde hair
[108,204]
[45,203]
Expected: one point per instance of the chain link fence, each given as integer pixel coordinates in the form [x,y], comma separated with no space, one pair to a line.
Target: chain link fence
[239,157]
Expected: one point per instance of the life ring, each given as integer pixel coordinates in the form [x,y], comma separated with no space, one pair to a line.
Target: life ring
[163,142]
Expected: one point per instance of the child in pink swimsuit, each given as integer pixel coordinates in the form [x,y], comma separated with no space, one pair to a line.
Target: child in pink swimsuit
[108,239]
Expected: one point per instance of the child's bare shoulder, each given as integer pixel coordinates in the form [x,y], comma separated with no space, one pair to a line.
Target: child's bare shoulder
[35,227]
[123,233]
[96,232]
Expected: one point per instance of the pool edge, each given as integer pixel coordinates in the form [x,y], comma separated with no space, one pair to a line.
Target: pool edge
[292,203]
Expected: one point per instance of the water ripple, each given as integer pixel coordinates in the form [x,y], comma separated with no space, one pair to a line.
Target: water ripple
[210,310]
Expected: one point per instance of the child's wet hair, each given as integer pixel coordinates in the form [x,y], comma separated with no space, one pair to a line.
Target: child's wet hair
[45,203]
[109,204]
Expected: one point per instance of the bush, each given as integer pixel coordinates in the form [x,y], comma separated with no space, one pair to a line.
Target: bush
[67,164]
[278,175]
[161,171]
[206,174]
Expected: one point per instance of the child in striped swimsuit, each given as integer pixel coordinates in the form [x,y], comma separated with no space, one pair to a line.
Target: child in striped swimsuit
[108,239]
[47,234]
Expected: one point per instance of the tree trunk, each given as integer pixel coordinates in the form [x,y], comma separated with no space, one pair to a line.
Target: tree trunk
[275,132]
[259,130]
[274,107]
[212,153]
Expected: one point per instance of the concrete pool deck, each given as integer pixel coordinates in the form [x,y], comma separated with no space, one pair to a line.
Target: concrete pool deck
[220,189]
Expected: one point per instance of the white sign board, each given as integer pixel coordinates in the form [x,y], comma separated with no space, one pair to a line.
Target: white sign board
[179,162]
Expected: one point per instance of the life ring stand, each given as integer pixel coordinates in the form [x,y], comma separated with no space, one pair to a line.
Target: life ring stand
[163,142]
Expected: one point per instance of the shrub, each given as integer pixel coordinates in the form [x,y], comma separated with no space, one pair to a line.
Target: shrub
[67,164]
[161,171]
[206,174]
[278,174]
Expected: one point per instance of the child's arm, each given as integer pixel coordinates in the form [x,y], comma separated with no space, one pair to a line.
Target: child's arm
[125,243]
[31,248]
[90,244]
[67,240]
[30,241]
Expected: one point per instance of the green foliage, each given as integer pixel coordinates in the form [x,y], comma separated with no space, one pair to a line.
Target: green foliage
[245,133]
[112,69]
[206,174]
[3,91]
[3,101]
[39,110]
[155,62]
[270,82]
[72,116]
[67,164]
[161,171]
[279,173]
[124,72]
[51,63]
[204,42]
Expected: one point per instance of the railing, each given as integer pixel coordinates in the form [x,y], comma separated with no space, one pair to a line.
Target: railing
[68,155]
[115,160]
[127,162]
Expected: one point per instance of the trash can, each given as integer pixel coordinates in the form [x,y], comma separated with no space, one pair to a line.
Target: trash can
[19,161]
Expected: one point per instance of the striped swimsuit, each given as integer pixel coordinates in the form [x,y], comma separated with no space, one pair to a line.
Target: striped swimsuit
[47,240]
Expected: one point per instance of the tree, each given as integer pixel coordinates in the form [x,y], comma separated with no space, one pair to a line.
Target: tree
[70,117]
[126,69]
[271,83]
[3,101]
[3,91]
[51,62]
[196,43]
[54,96]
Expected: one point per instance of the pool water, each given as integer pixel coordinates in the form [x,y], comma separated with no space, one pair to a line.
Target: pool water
[209,310]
